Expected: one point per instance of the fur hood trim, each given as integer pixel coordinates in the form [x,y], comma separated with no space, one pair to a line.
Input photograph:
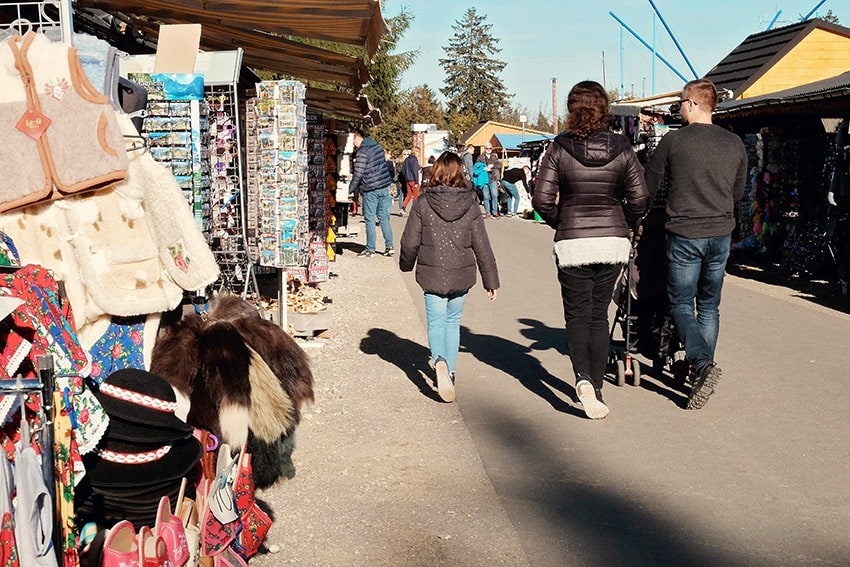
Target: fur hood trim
[575,252]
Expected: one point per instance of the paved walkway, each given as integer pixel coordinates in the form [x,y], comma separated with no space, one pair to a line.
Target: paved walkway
[386,473]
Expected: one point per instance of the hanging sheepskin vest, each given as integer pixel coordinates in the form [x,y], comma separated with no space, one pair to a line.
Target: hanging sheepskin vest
[60,134]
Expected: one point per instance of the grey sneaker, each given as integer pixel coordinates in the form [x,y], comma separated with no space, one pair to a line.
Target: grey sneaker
[445,382]
[389,252]
[365,253]
[593,407]
[704,383]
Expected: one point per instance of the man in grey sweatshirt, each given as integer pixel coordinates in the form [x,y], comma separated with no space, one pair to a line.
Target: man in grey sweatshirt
[707,166]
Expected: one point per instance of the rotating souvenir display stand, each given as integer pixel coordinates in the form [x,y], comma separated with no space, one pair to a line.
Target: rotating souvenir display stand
[218,203]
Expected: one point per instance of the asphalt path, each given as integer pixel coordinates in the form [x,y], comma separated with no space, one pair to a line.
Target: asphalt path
[759,476]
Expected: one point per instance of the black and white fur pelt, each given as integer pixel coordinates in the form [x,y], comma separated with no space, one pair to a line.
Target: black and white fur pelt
[245,379]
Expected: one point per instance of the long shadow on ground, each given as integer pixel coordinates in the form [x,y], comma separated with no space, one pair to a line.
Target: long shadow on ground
[598,524]
[410,357]
[517,360]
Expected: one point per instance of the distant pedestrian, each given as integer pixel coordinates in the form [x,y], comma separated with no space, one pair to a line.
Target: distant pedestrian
[491,191]
[708,168]
[445,239]
[373,181]
[401,182]
[510,181]
[468,159]
[410,171]
[480,181]
[426,171]
[590,188]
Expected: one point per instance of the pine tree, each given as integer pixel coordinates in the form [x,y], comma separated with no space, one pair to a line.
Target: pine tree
[417,105]
[473,87]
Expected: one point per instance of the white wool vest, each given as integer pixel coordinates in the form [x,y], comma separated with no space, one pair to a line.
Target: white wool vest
[80,149]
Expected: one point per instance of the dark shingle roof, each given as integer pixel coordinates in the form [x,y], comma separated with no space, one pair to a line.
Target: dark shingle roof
[831,88]
[760,51]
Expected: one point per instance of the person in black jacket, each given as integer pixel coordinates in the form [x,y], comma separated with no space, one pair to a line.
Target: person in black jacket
[372,179]
[445,239]
[590,188]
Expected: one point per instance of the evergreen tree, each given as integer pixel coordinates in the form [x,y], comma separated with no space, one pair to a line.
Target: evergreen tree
[418,105]
[473,89]
[386,68]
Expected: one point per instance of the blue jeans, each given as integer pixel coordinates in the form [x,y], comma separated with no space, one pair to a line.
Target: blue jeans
[377,204]
[491,198]
[513,196]
[695,270]
[443,315]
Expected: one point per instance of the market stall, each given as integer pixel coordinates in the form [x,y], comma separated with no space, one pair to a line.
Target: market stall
[136,193]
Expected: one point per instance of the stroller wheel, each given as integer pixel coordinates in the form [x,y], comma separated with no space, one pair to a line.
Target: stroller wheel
[635,372]
[621,372]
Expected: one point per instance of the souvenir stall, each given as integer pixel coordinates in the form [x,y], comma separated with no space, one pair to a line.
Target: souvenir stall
[105,230]
[793,215]
[287,199]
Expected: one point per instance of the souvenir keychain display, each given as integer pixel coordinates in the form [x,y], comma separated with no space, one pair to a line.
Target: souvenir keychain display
[227,238]
[176,129]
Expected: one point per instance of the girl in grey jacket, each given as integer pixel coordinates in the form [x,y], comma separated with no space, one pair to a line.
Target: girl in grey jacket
[446,240]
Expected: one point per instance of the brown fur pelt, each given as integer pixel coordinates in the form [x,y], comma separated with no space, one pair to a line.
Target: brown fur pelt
[287,360]
[245,377]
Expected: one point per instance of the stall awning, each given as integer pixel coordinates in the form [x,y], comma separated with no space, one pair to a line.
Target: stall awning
[258,27]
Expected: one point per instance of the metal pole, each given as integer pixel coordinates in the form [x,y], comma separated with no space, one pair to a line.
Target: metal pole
[773,21]
[653,53]
[643,42]
[622,67]
[675,41]
[815,9]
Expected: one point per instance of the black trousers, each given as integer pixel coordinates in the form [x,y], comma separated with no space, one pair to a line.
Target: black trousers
[586,293]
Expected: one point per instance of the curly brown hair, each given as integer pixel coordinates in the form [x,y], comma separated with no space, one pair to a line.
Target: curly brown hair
[447,171]
[587,104]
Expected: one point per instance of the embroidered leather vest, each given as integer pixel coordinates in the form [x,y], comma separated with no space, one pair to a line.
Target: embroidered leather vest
[60,134]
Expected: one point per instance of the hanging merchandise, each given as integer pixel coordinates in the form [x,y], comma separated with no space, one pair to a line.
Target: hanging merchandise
[245,377]
[161,253]
[145,454]
[64,131]
[227,227]
[177,130]
[277,175]
[319,212]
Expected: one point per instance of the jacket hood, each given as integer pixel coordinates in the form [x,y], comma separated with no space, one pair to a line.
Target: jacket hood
[368,141]
[600,148]
[450,203]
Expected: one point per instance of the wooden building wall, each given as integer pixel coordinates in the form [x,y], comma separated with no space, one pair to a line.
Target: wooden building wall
[819,55]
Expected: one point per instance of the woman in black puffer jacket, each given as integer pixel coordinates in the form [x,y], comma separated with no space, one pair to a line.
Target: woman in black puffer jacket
[445,239]
[590,188]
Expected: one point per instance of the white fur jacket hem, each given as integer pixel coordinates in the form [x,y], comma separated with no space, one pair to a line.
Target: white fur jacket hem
[574,252]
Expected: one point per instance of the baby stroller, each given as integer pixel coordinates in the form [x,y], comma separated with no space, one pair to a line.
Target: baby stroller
[643,314]
[622,361]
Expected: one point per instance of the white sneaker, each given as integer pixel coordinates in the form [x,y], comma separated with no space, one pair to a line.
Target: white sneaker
[587,396]
[445,384]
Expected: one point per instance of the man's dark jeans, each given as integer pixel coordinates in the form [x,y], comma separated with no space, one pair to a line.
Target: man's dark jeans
[586,294]
[695,270]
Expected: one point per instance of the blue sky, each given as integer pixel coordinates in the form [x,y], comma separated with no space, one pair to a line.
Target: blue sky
[565,39]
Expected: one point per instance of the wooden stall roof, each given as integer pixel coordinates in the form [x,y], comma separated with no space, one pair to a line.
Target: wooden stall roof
[759,52]
[262,29]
